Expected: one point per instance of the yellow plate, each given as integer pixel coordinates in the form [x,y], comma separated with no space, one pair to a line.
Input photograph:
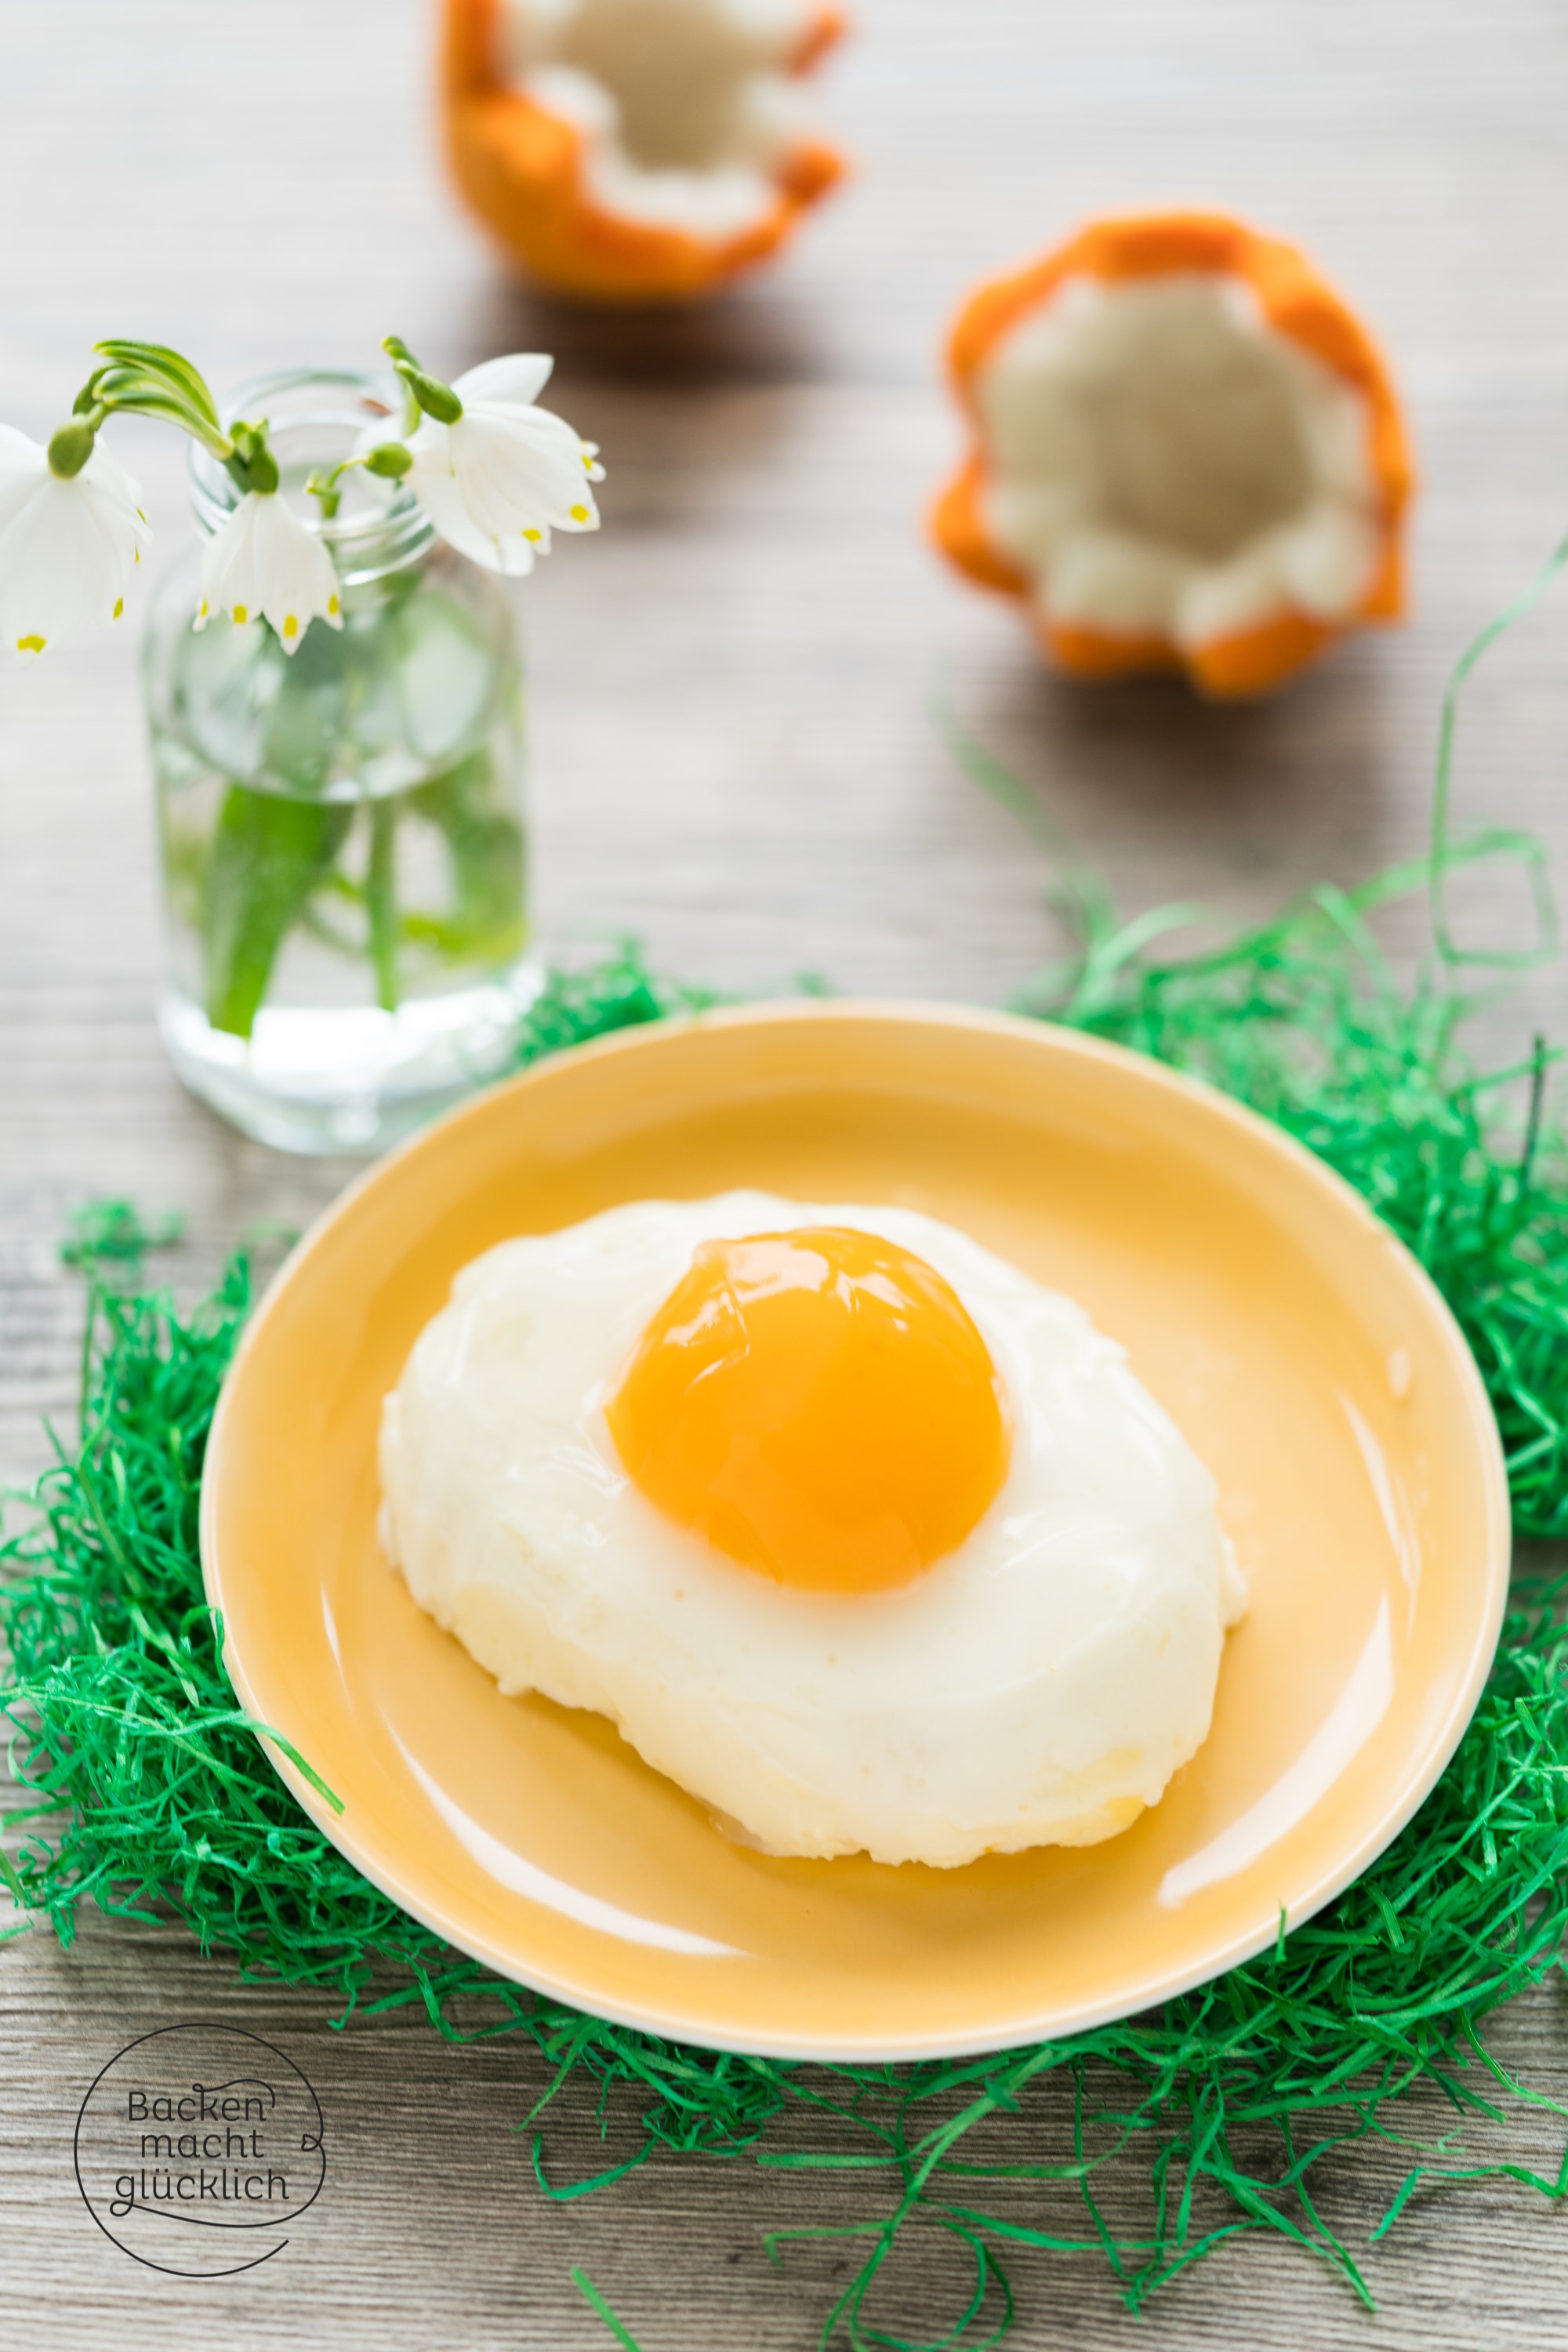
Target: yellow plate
[1302,1350]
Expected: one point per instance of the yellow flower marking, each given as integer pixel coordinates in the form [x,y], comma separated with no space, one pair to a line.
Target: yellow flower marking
[290,626]
[203,613]
[332,607]
[118,606]
[535,535]
[30,645]
[579,514]
[242,612]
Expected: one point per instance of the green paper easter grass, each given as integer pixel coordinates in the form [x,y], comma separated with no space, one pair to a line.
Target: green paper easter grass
[144,1787]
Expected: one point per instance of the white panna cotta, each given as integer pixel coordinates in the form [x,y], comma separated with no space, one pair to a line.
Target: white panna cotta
[686,109]
[1163,462]
[1036,1685]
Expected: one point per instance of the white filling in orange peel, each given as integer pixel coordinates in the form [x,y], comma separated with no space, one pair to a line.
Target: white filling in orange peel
[1188,454]
[1161,463]
[687,108]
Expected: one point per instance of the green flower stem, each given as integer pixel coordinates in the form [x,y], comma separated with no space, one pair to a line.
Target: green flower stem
[390,460]
[268,856]
[436,399]
[381,902]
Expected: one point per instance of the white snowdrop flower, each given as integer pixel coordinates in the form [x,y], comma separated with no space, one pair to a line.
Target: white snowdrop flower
[265,560]
[503,476]
[67,545]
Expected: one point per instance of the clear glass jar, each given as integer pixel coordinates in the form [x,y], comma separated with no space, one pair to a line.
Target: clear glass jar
[344,857]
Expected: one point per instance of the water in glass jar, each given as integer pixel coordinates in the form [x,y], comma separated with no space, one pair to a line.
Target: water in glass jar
[344,857]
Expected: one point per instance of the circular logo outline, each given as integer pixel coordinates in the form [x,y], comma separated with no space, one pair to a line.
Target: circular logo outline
[317,2142]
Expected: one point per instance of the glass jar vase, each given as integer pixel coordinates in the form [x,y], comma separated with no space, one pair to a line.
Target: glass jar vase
[344,857]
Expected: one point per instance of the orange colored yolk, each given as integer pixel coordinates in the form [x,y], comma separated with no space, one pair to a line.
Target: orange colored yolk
[818,1405]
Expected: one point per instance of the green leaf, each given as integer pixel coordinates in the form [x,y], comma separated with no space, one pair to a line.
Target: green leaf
[380,901]
[158,360]
[267,854]
[307,725]
[150,379]
[489,864]
[133,396]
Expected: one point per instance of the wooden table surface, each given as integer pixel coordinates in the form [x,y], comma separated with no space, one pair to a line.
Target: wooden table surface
[734,757]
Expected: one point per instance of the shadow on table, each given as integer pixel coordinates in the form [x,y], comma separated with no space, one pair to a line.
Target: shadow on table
[753,335]
[1299,787]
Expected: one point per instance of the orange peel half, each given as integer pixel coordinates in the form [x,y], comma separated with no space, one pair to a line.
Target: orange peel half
[635,151]
[1187,455]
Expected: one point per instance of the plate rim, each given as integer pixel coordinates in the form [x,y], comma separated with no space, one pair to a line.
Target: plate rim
[1441,1741]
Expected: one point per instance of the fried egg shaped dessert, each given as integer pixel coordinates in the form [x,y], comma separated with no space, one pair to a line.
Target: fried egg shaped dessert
[854,1530]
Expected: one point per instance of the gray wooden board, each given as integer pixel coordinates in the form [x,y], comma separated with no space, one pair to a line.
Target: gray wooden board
[734,757]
